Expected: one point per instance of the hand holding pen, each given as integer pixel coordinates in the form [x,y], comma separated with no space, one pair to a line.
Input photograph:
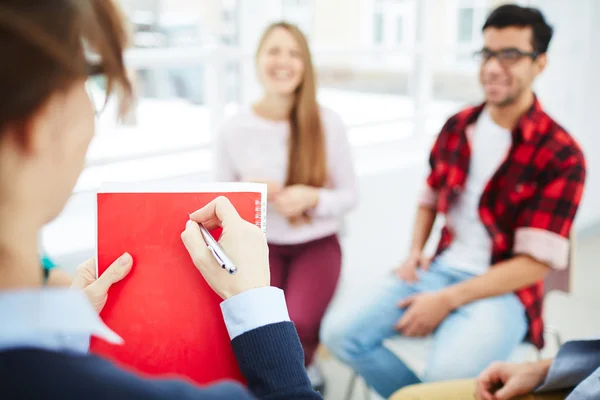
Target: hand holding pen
[242,248]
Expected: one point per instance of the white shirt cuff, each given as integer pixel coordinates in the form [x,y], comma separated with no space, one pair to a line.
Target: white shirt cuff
[79,343]
[254,309]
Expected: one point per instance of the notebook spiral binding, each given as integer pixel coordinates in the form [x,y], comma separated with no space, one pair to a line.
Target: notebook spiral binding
[260,214]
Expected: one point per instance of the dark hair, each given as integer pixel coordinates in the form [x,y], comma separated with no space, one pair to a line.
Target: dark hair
[513,15]
[45,47]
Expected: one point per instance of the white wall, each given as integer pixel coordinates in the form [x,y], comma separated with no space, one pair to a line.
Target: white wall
[570,87]
[254,17]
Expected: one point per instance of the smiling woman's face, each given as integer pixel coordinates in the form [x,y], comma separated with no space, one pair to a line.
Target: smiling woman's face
[280,63]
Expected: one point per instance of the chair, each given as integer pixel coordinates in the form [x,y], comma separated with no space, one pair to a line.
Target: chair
[414,351]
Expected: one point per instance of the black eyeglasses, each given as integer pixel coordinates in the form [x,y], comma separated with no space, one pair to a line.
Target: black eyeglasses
[96,86]
[506,57]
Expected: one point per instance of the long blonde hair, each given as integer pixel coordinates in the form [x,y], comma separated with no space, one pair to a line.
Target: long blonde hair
[307,159]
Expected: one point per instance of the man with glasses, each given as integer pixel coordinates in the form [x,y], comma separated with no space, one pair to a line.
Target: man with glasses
[508,180]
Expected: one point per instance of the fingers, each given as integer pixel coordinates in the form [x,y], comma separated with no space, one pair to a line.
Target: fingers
[406,302]
[212,224]
[404,323]
[196,246]
[399,324]
[401,274]
[408,275]
[482,393]
[508,391]
[274,188]
[489,381]
[288,210]
[85,274]
[220,209]
[410,325]
[282,202]
[411,275]
[88,265]
[414,330]
[425,263]
[113,274]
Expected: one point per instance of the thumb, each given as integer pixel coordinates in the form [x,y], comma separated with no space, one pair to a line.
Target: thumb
[113,274]
[406,302]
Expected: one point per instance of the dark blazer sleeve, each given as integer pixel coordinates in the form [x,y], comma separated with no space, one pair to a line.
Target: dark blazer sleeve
[272,360]
[575,361]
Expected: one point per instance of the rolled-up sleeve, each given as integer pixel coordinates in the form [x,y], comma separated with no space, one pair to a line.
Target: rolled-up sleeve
[428,197]
[544,225]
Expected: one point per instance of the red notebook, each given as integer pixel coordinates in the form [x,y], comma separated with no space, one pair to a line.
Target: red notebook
[168,316]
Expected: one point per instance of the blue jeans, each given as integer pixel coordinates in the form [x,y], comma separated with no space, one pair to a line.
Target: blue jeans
[465,343]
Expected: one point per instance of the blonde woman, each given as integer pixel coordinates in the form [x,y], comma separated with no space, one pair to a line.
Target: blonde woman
[301,151]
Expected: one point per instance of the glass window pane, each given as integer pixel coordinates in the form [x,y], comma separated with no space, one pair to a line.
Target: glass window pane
[465,25]
[378,28]
[399,30]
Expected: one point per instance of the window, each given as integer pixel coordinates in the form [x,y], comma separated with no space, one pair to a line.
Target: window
[301,13]
[296,3]
[192,62]
[465,25]
[399,30]
[228,16]
[378,28]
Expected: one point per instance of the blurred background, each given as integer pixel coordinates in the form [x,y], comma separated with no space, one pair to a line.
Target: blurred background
[394,70]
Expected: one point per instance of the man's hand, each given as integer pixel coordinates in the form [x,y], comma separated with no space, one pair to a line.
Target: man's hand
[408,270]
[96,290]
[243,242]
[424,313]
[503,381]
[294,200]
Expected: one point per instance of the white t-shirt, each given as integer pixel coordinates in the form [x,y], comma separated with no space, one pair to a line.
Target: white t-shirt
[471,248]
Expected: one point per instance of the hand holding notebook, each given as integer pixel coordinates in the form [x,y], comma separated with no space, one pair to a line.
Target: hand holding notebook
[165,311]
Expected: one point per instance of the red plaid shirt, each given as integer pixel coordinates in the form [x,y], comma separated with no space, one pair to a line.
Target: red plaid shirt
[529,204]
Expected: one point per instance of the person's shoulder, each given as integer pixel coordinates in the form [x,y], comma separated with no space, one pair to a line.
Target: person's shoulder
[237,122]
[330,117]
[465,114]
[36,373]
[333,125]
[559,141]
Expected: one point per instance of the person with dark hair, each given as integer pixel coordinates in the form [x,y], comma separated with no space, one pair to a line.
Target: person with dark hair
[49,50]
[511,15]
[508,180]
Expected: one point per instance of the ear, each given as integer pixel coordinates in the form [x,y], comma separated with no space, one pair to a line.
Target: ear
[540,63]
[19,134]
[33,132]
